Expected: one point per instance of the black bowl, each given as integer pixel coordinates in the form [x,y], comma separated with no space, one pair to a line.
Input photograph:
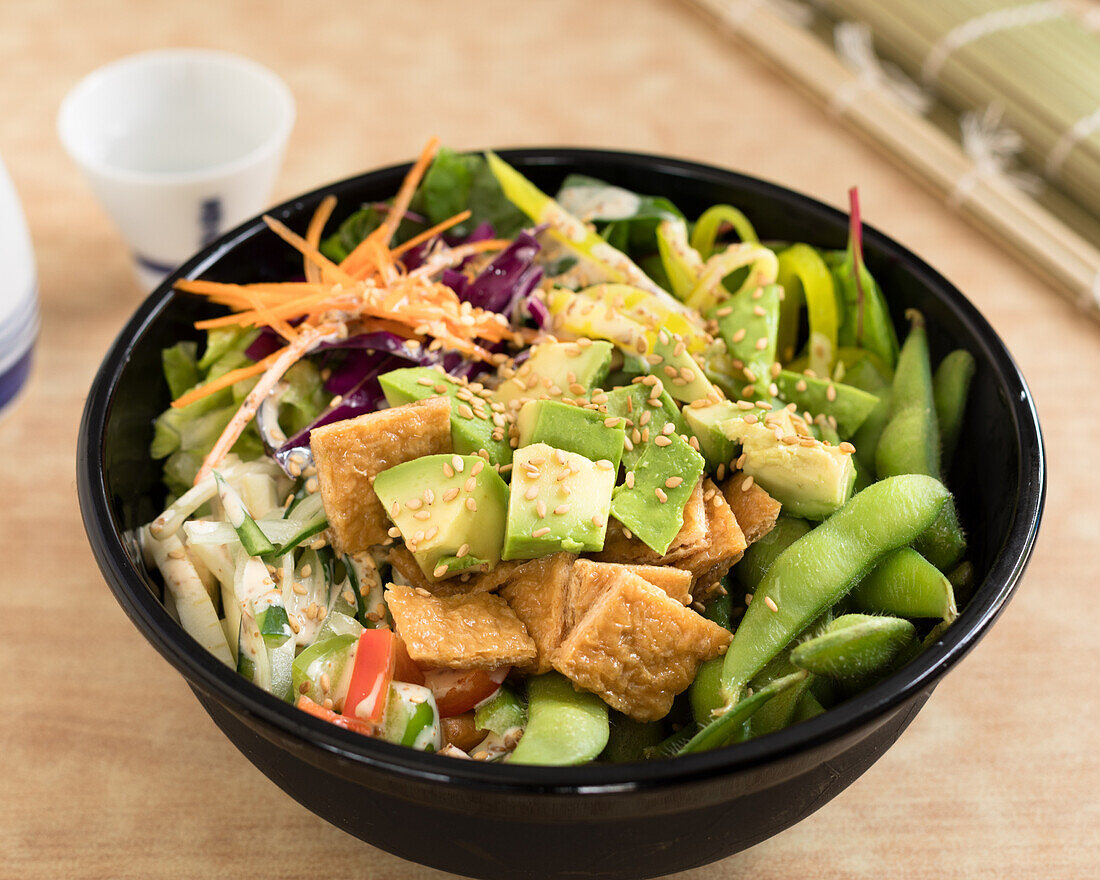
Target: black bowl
[624,821]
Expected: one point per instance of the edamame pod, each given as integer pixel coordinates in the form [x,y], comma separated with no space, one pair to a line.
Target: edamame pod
[910,442]
[820,567]
[855,647]
[760,554]
[950,389]
[629,739]
[564,726]
[907,585]
[729,727]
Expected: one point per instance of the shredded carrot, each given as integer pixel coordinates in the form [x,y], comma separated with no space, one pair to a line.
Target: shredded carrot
[225,380]
[430,233]
[307,250]
[313,234]
[408,188]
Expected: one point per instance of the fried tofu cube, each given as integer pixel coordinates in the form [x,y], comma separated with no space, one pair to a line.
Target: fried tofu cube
[351,453]
[466,631]
[755,509]
[692,536]
[589,580]
[537,593]
[725,545]
[637,648]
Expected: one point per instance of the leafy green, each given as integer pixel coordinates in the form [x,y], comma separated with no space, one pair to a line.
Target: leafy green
[459,181]
[352,231]
[180,363]
[595,201]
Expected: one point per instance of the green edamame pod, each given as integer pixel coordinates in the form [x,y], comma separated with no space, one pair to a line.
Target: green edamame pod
[564,726]
[821,566]
[910,442]
[808,707]
[950,388]
[629,739]
[905,584]
[729,727]
[855,647]
[760,555]
[962,581]
[867,377]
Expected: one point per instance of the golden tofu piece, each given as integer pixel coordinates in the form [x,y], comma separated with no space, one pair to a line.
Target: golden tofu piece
[755,509]
[617,547]
[589,580]
[725,545]
[351,453]
[467,631]
[537,592]
[637,648]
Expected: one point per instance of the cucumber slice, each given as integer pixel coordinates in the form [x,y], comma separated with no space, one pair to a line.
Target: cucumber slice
[252,539]
[309,515]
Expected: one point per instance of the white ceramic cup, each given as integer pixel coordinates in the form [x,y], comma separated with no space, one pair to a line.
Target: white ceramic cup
[179,145]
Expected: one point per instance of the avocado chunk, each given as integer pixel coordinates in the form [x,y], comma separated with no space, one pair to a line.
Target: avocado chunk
[568,370]
[705,423]
[564,426]
[749,324]
[651,502]
[448,508]
[848,405]
[808,478]
[559,501]
[475,426]
[632,403]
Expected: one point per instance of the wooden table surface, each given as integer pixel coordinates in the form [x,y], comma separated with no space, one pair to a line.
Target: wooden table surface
[111,769]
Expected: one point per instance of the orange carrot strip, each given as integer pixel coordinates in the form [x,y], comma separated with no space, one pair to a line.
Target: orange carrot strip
[283,361]
[295,240]
[225,380]
[408,188]
[430,233]
[313,233]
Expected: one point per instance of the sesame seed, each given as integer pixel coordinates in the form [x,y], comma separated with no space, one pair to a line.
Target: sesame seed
[661,495]
[763,404]
[462,551]
[440,389]
[687,374]
[471,505]
[761,343]
[789,439]
[312,485]
[740,462]
[423,515]
[748,390]
[470,484]
[673,482]
[612,422]
[604,465]
[457,463]
[540,509]
[739,335]
[759,311]
[846,447]
[745,404]
[750,376]
[830,393]
[808,442]
[627,533]
[439,571]
[422,591]
[724,311]
[429,497]
[414,504]
[425,381]
[394,532]
[465,411]
[662,440]
[747,483]
[531,493]
[451,494]
[770,602]
[561,509]
[643,420]
[668,428]
[299,589]
[721,473]
[630,479]
[541,533]
[448,471]
[748,598]
[750,419]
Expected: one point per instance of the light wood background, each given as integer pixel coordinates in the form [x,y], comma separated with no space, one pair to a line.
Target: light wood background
[108,766]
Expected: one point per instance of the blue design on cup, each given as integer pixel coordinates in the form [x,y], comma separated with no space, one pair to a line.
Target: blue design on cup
[210,219]
[13,378]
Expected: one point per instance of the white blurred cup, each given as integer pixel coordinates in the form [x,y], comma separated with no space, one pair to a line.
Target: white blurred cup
[179,145]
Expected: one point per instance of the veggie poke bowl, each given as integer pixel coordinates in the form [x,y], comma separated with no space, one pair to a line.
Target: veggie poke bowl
[662,481]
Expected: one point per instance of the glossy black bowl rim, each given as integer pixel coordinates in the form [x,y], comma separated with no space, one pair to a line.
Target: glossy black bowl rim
[207,674]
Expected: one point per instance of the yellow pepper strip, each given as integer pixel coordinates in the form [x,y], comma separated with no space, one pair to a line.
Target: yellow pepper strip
[805,278]
[707,227]
[708,290]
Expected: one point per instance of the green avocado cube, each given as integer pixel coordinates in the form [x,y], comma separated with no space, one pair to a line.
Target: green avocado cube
[705,422]
[558,501]
[631,403]
[447,508]
[558,369]
[475,425]
[849,405]
[811,480]
[651,502]
[586,432]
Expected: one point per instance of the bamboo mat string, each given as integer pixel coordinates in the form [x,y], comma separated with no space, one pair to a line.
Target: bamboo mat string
[992,148]
[855,47]
[982,26]
[1083,128]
